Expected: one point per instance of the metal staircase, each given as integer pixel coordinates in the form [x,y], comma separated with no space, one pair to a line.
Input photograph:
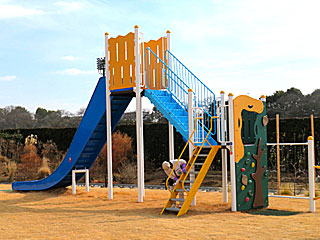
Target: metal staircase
[182,205]
[195,166]
[168,85]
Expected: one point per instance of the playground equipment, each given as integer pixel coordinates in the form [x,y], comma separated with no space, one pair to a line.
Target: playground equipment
[138,68]
[311,170]
[311,165]
[74,183]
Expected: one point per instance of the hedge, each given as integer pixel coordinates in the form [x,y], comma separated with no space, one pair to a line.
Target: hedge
[156,137]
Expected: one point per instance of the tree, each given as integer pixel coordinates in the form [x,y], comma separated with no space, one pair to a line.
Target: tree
[293,103]
[18,117]
[30,162]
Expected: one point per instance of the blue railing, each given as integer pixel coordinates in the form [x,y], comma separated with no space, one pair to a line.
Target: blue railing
[158,76]
[205,98]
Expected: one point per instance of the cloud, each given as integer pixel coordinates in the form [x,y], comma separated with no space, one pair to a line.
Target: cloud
[7,78]
[13,11]
[70,58]
[69,6]
[76,72]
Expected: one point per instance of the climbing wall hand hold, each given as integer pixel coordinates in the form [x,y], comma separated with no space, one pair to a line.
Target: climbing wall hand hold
[69,159]
[243,187]
[244,179]
[246,199]
[243,169]
[253,164]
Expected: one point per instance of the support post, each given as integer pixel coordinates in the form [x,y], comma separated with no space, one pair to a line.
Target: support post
[139,119]
[223,152]
[191,127]
[312,134]
[311,174]
[87,180]
[108,120]
[74,183]
[278,152]
[171,142]
[171,130]
[232,158]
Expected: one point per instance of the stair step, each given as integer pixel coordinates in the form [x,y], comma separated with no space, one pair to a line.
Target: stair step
[164,99]
[201,155]
[197,164]
[173,105]
[181,190]
[161,93]
[188,181]
[173,209]
[177,199]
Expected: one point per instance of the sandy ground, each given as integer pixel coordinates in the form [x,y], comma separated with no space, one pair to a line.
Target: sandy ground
[58,214]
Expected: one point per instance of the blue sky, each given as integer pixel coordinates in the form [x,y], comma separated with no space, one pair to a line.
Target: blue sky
[48,49]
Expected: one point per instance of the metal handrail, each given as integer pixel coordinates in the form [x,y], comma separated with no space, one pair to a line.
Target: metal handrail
[204,96]
[185,146]
[194,160]
[178,88]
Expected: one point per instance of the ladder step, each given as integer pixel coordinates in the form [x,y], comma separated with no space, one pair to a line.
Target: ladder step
[194,172]
[201,155]
[198,164]
[181,189]
[206,147]
[173,209]
[177,199]
[188,181]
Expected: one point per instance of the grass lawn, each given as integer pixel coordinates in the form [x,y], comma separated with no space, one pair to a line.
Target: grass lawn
[57,214]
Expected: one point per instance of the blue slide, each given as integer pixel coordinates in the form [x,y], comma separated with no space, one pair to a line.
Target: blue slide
[87,142]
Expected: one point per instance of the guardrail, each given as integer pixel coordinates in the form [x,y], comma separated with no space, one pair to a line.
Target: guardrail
[204,97]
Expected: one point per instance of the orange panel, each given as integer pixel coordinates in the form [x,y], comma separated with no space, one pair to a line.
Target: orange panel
[121,61]
[155,67]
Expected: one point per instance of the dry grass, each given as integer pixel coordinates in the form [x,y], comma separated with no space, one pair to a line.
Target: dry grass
[57,214]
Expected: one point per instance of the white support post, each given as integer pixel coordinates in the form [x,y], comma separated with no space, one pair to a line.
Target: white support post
[311,174]
[108,121]
[171,130]
[171,141]
[87,180]
[169,40]
[74,183]
[223,152]
[191,127]
[232,158]
[139,119]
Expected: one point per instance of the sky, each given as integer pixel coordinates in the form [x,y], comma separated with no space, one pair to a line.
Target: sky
[48,49]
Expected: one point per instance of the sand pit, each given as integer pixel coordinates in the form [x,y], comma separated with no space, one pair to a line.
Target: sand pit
[57,214]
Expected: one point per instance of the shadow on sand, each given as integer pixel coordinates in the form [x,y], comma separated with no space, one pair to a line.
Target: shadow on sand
[274,212]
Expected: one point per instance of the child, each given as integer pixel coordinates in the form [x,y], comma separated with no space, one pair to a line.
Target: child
[180,168]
